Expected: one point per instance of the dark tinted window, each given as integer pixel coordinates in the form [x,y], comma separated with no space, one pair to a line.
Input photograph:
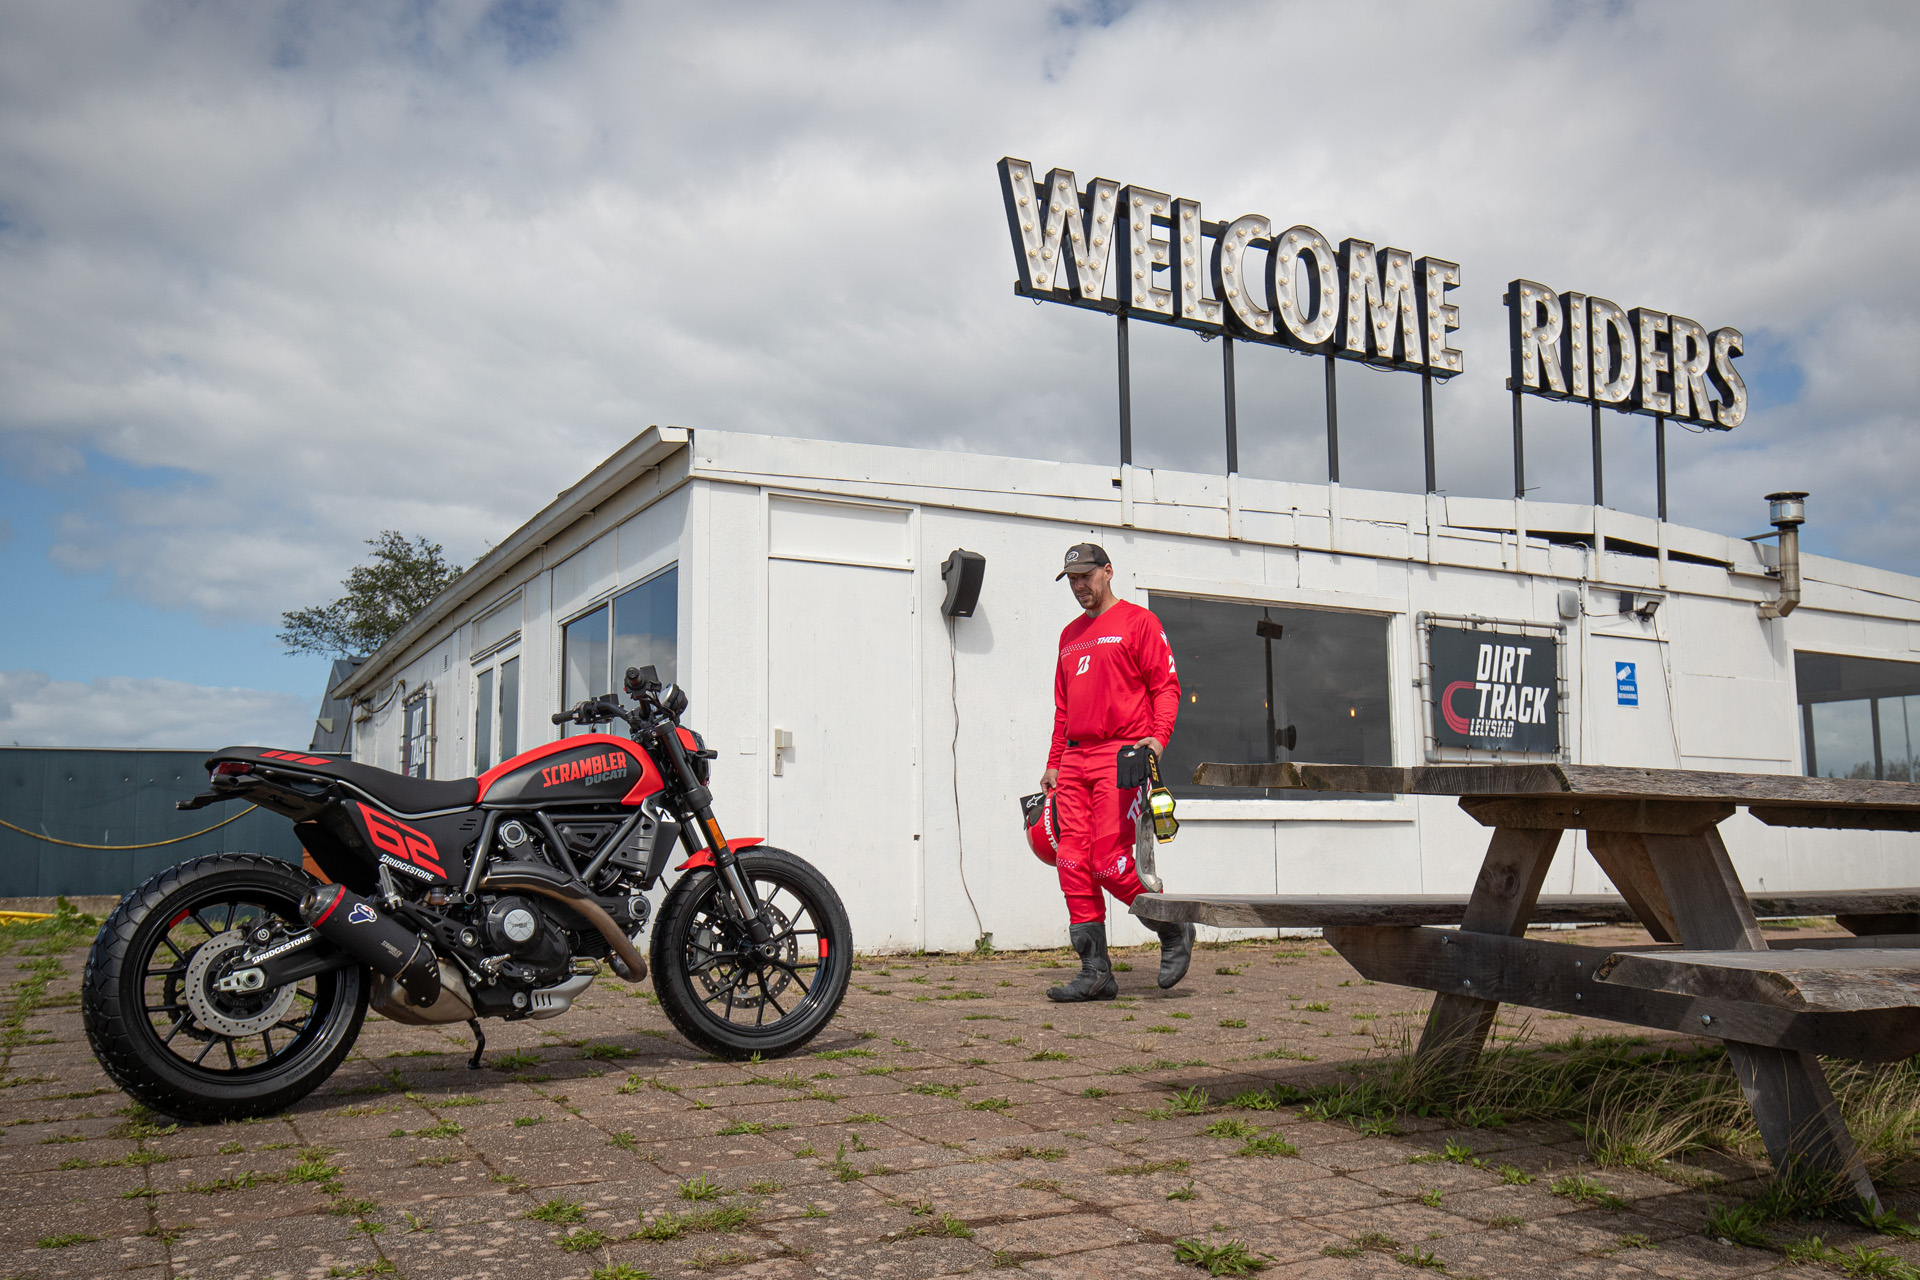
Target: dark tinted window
[637,628]
[1859,717]
[1328,689]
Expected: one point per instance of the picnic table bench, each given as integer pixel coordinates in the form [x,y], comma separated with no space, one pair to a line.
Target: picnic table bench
[1710,971]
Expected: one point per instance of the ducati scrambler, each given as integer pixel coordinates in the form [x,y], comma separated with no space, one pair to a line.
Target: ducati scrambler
[232,985]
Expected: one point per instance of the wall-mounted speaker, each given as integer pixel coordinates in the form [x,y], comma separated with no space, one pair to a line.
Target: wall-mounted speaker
[963,573]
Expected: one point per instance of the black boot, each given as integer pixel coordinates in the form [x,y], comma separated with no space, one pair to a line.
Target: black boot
[1095,979]
[1176,951]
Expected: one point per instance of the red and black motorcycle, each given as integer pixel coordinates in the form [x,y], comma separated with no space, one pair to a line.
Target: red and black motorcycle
[232,985]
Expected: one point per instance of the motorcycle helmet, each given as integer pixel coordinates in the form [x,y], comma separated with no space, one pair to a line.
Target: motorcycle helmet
[1043,826]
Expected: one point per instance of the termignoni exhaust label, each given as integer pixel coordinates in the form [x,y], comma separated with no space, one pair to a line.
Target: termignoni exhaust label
[1495,691]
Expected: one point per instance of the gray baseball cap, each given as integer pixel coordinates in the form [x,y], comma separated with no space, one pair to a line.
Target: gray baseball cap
[1082,557]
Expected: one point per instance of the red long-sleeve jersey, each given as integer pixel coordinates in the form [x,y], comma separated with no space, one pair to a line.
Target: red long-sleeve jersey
[1116,679]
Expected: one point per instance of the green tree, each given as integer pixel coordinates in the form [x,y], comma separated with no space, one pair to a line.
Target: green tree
[398,580]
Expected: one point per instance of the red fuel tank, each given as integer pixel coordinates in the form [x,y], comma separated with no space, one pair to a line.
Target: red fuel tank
[593,768]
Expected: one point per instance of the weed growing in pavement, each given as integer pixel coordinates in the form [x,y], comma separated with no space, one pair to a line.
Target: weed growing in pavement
[1268,1145]
[1231,1129]
[701,1188]
[558,1212]
[1514,1176]
[1582,1189]
[65,1241]
[621,1271]
[722,1218]
[1222,1258]
[1151,1166]
[1049,1154]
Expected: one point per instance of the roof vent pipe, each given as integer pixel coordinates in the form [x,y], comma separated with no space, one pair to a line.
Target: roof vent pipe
[1786,512]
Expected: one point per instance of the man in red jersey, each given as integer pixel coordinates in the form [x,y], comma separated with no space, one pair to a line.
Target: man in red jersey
[1115,686]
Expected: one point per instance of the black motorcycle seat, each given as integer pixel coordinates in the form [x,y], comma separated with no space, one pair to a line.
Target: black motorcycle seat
[397,791]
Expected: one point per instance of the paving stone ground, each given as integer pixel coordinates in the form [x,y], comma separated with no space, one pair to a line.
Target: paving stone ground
[951,1121]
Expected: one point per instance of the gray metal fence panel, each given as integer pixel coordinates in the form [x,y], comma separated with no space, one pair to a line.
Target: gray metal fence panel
[111,797]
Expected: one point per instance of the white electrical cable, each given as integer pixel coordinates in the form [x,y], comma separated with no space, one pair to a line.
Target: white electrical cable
[959,842]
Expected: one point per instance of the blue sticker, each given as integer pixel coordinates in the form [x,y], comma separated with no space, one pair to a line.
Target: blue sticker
[361,914]
[1625,686]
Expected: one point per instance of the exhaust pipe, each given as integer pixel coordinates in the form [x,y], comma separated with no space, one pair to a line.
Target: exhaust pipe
[383,944]
[1786,512]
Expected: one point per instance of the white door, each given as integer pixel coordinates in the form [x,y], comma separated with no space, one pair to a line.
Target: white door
[1627,697]
[841,692]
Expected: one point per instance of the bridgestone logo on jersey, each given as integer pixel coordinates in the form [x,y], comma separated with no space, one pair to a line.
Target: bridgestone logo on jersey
[593,770]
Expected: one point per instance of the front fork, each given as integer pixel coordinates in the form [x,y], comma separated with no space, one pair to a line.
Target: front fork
[745,906]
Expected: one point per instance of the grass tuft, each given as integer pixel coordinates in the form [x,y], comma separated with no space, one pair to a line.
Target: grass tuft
[1224,1258]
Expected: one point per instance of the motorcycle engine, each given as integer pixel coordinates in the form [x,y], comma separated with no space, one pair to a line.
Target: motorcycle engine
[518,927]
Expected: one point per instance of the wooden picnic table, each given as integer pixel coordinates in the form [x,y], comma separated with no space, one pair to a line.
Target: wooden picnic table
[1655,834]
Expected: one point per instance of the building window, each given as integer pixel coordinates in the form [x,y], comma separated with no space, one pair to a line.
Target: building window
[1260,683]
[1859,717]
[637,628]
[415,737]
[496,713]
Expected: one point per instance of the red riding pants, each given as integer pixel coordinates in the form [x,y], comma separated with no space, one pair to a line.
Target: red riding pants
[1097,826]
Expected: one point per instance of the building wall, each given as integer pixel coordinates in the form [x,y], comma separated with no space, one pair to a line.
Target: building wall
[810,592]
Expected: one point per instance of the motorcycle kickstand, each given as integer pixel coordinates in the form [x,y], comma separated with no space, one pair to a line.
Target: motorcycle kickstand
[479,1044]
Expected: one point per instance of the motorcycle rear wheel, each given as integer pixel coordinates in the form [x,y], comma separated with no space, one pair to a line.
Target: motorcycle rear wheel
[733,1000]
[170,1038]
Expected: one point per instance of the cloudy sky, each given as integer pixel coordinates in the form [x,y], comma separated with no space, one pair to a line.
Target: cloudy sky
[275,276]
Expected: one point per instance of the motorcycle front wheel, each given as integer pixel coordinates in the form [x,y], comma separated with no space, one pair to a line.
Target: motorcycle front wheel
[734,998]
[168,1035]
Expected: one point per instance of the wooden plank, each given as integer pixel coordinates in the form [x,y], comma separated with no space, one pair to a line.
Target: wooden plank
[1792,1104]
[1560,813]
[1623,856]
[1561,978]
[1837,980]
[1834,819]
[1781,791]
[1313,911]
[1502,900]
[1703,890]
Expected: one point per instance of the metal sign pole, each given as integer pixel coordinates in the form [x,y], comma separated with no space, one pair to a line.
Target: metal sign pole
[1660,460]
[1126,398]
[1426,426]
[1599,481]
[1519,450]
[1233,411]
[1333,423]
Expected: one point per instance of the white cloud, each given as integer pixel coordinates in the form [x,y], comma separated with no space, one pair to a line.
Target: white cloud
[118,711]
[279,276]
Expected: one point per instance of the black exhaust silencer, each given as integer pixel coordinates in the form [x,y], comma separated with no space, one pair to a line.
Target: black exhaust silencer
[357,927]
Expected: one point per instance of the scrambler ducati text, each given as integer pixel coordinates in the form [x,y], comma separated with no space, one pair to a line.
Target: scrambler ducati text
[232,985]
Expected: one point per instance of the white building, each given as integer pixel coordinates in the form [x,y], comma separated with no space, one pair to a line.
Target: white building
[793,587]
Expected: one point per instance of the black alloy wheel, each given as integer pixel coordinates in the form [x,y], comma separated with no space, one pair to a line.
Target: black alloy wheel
[737,998]
[171,1025]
